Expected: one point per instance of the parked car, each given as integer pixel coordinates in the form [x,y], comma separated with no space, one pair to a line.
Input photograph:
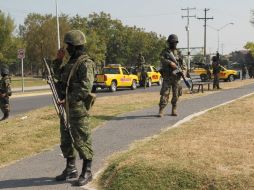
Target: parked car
[225,74]
[153,75]
[115,76]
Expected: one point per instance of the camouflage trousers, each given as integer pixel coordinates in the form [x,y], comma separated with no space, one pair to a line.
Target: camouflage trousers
[167,85]
[81,133]
[4,104]
[216,81]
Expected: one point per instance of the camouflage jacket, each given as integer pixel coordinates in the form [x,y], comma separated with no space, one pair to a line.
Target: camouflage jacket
[80,84]
[167,71]
[5,85]
[140,60]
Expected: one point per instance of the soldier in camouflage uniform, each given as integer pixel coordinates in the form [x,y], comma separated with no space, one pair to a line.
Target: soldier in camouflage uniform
[140,60]
[216,72]
[5,92]
[170,79]
[75,81]
[141,70]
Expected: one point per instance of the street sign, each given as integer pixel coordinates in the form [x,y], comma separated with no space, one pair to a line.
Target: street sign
[21,53]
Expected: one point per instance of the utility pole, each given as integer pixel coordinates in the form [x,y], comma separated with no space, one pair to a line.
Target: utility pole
[57,26]
[188,33]
[205,19]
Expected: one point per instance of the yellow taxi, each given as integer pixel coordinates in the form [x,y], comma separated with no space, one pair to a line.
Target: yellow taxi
[115,76]
[153,75]
[225,74]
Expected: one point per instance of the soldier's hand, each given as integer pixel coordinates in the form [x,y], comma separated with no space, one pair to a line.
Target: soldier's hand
[60,54]
[60,102]
[173,65]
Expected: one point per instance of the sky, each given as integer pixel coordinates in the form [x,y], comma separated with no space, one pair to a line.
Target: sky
[161,16]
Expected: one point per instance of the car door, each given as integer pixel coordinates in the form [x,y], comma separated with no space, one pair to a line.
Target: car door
[155,75]
[125,78]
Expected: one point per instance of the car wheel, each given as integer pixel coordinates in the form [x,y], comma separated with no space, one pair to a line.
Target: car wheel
[203,77]
[113,86]
[160,82]
[134,85]
[231,78]
[149,83]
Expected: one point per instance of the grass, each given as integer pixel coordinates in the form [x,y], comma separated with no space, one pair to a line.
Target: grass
[215,151]
[38,130]
[16,82]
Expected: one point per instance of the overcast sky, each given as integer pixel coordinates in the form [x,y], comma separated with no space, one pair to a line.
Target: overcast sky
[161,16]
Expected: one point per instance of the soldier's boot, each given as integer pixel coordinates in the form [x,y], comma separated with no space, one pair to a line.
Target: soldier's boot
[6,115]
[161,113]
[86,174]
[174,113]
[69,172]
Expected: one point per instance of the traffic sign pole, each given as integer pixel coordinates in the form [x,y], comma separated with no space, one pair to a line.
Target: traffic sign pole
[22,73]
[21,56]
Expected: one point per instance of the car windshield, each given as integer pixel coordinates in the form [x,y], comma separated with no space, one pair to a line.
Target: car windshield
[110,71]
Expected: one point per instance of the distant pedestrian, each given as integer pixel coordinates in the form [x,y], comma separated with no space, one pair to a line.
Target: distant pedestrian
[216,72]
[244,71]
[140,60]
[5,92]
[144,76]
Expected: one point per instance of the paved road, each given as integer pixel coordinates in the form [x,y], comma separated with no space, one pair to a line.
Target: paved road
[38,172]
[23,104]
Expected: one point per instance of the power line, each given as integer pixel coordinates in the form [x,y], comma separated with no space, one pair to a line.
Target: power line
[188,33]
[205,19]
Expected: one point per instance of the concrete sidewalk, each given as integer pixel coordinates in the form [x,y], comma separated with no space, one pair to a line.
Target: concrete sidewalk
[38,172]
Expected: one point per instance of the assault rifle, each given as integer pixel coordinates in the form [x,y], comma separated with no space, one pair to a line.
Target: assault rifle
[179,71]
[60,109]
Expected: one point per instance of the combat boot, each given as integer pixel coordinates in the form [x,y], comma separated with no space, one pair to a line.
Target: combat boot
[69,172]
[6,115]
[86,174]
[174,113]
[161,114]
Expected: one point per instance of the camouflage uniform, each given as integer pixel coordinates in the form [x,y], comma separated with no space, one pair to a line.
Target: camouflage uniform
[5,88]
[80,85]
[216,71]
[140,60]
[143,76]
[76,98]
[170,80]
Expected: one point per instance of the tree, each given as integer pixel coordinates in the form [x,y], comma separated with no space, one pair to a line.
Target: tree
[40,35]
[8,43]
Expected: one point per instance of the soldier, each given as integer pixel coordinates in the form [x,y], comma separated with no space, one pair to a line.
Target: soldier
[170,63]
[143,76]
[216,71]
[75,81]
[5,92]
[140,60]
[244,71]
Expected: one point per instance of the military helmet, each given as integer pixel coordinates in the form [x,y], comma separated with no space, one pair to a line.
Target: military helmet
[4,71]
[75,38]
[172,38]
